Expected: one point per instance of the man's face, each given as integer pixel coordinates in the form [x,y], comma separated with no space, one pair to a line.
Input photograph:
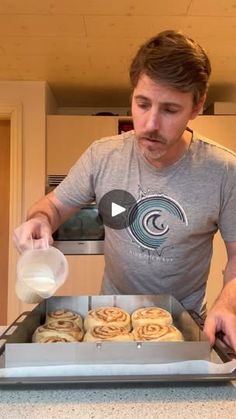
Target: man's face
[160,116]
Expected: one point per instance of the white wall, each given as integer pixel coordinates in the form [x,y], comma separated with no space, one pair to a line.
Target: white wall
[35,100]
[31,95]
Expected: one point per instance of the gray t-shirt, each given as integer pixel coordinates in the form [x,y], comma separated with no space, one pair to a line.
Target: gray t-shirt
[184,205]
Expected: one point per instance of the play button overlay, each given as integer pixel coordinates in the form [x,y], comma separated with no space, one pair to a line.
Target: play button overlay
[114,208]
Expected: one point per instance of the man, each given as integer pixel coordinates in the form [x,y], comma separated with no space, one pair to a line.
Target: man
[184,185]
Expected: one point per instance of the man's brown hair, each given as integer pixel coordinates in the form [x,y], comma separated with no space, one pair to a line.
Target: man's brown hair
[173,59]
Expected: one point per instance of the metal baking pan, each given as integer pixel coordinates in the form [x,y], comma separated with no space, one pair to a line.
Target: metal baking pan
[18,351]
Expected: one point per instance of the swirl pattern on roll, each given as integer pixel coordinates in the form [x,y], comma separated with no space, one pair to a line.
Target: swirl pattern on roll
[151,315]
[66,326]
[58,337]
[108,333]
[104,316]
[155,332]
[65,315]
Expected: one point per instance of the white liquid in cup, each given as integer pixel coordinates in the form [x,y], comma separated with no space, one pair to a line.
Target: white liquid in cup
[40,272]
[39,278]
[27,294]
[40,283]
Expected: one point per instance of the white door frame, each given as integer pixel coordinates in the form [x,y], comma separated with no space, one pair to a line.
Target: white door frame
[14,114]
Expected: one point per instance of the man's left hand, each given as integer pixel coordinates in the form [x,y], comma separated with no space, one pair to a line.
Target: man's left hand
[222,318]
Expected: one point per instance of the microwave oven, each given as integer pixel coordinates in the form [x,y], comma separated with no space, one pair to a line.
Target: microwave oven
[81,234]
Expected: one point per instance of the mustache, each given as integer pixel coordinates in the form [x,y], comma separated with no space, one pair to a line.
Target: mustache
[153,136]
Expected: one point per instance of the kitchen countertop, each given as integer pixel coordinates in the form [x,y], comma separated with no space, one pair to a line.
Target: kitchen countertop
[120,401]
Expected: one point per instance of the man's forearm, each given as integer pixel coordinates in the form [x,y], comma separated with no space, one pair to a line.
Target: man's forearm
[228,293]
[230,270]
[227,296]
[46,210]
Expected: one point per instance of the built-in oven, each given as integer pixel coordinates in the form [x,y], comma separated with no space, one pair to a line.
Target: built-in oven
[81,234]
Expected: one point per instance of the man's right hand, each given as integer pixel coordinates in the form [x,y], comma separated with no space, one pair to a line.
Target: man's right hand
[44,217]
[33,234]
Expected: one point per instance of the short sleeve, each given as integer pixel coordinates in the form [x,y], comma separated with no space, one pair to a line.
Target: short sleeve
[78,186]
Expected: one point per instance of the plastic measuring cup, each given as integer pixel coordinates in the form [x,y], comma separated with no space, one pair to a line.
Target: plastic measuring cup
[41,271]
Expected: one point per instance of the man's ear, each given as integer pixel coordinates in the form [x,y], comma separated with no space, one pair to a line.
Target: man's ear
[198,107]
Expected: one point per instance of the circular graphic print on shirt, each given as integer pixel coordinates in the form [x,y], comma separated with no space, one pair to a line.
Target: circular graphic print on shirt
[148,223]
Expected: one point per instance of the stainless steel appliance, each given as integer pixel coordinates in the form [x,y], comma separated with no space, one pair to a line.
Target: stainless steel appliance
[81,234]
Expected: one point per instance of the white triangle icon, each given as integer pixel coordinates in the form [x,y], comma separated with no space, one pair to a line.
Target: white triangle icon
[116,209]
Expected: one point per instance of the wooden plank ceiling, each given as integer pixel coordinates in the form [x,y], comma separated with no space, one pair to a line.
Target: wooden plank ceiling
[83,48]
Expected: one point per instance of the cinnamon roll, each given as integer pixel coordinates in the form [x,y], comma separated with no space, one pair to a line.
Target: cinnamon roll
[55,337]
[106,316]
[151,315]
[65,315]
[108,333]
[155,332]
[66,326]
